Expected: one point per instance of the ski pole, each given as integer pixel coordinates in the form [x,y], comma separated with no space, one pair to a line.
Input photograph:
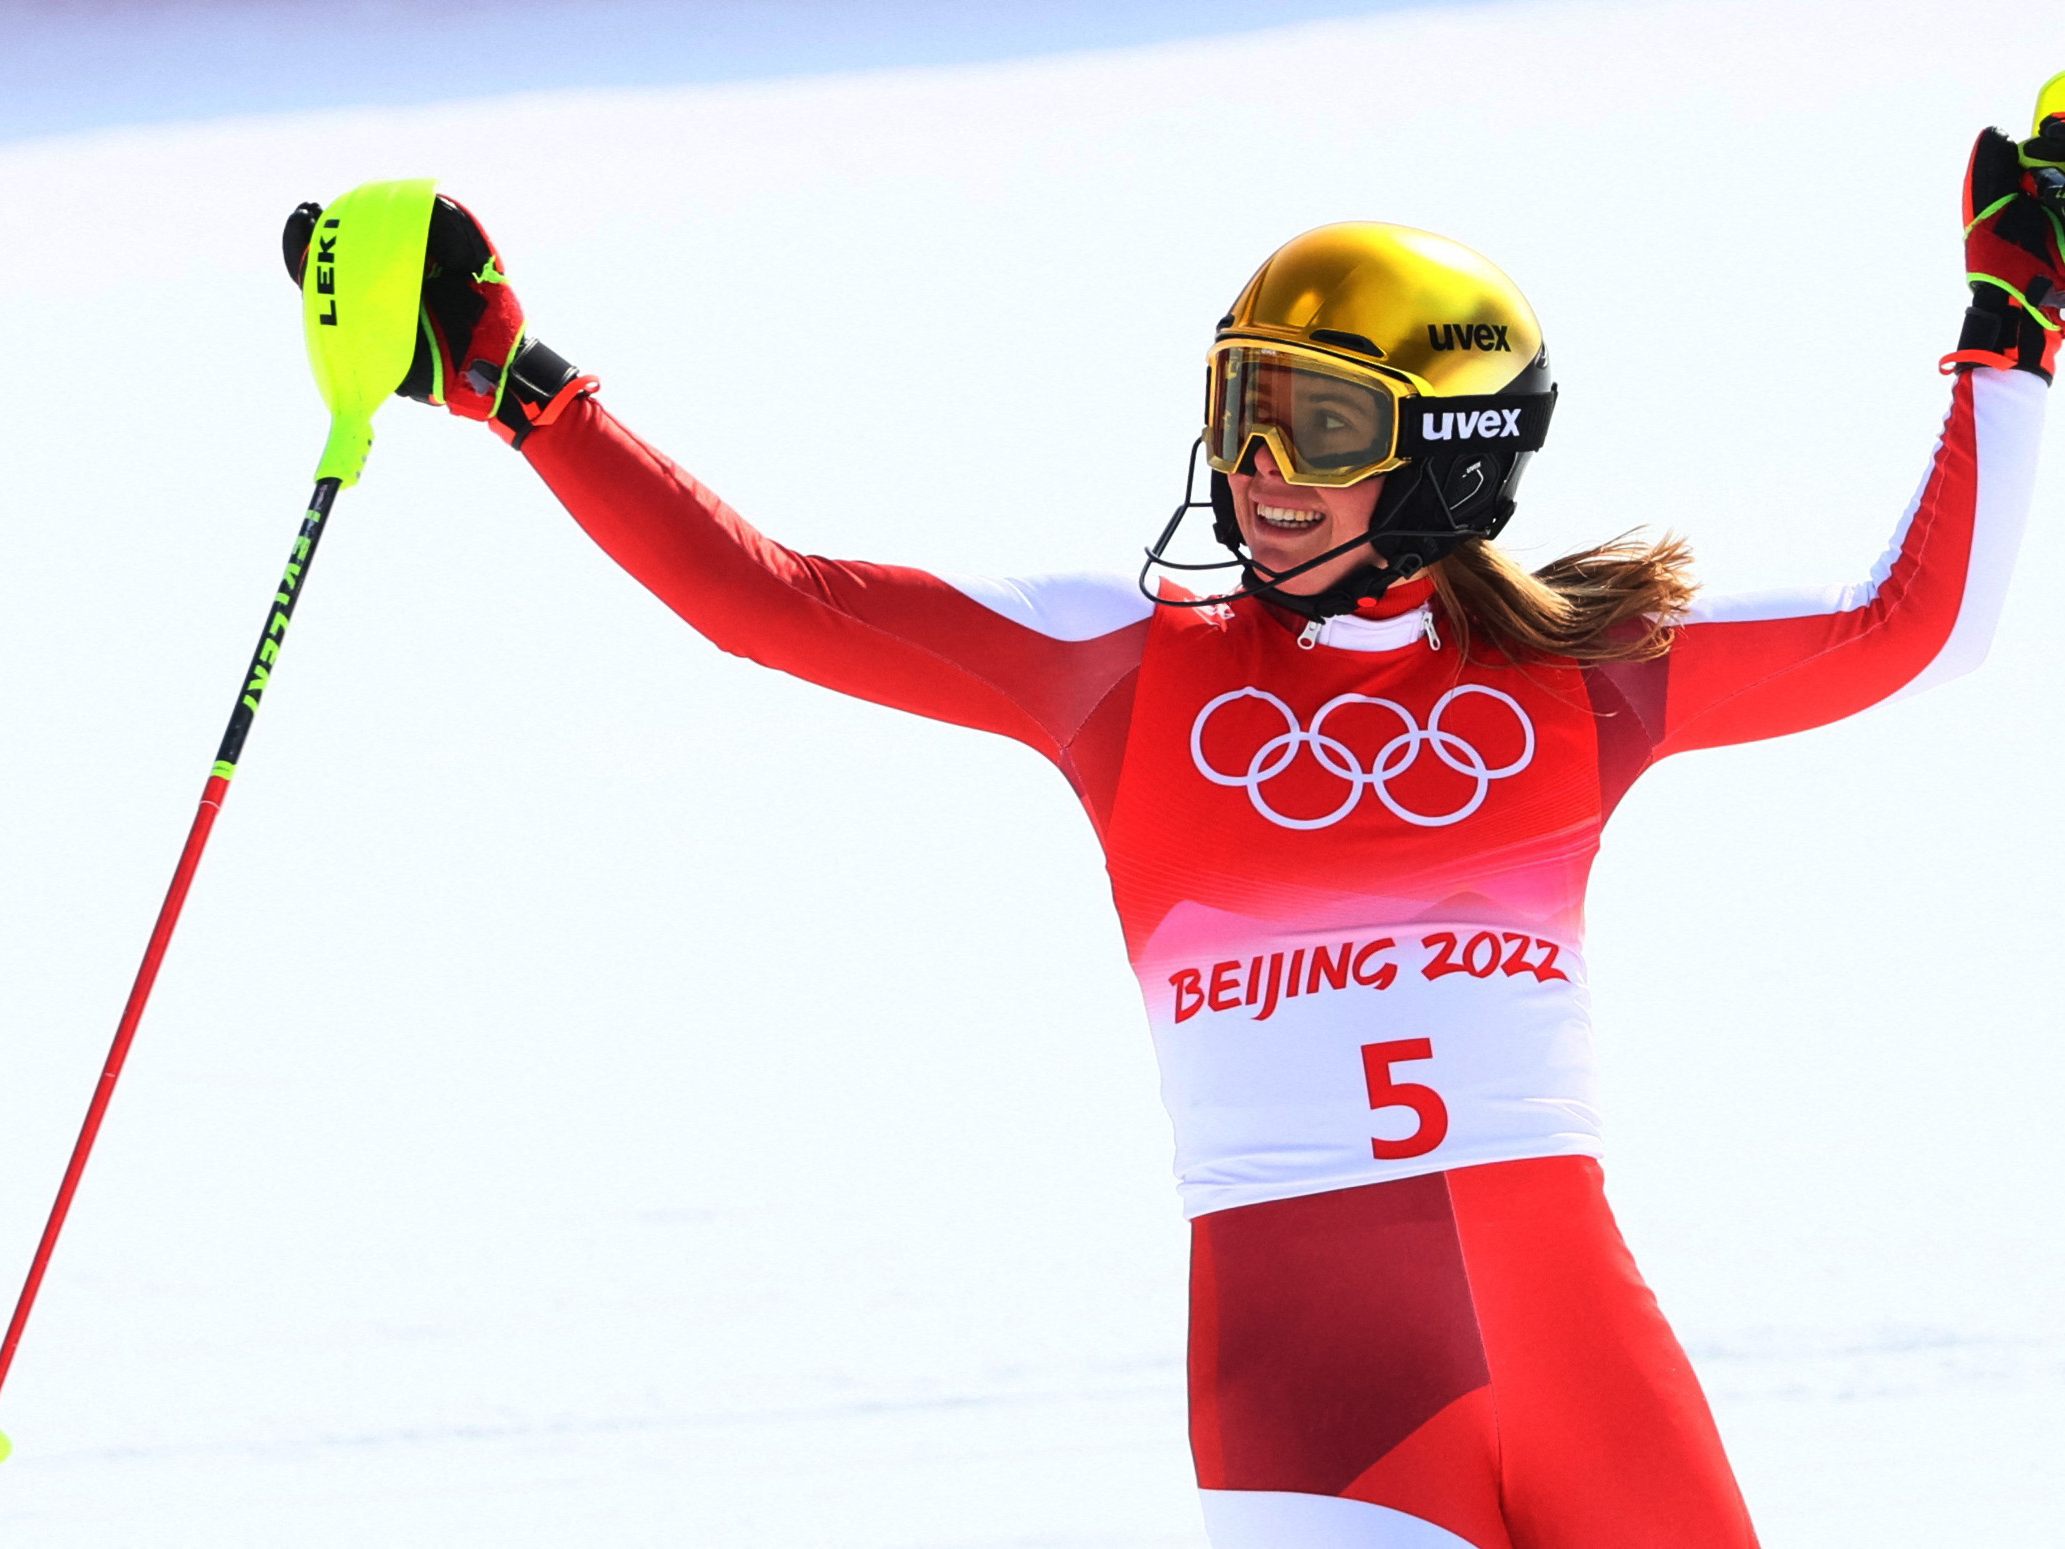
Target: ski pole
[360,299]
[212,795]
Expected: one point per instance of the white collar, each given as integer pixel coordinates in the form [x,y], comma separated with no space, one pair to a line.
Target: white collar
[1347,632]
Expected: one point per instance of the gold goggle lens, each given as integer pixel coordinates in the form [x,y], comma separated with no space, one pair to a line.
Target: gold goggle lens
[1324,424]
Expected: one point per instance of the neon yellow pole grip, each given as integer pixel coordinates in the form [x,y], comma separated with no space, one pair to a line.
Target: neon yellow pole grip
[2051,99]
[361,291]
[2049,102]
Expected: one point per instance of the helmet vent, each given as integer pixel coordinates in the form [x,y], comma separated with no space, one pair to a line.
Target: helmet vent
[1359,343]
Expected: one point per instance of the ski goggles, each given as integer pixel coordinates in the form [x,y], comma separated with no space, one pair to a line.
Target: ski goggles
[1326,421]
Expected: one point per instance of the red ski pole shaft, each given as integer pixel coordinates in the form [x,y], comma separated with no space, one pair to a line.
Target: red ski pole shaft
[212,795]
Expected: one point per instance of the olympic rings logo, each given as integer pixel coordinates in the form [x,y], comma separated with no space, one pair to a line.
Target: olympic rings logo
[1393,759]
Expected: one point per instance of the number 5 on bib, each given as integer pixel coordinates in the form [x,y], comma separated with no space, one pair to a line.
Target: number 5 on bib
[1425,1102]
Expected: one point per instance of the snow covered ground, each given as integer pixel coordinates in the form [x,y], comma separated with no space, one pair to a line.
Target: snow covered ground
[604,1093]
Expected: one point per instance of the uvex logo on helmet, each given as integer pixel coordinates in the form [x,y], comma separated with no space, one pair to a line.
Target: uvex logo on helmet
[1468,336]
[1469,424]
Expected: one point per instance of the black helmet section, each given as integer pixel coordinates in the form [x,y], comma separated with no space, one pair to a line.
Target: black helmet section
[1463,479]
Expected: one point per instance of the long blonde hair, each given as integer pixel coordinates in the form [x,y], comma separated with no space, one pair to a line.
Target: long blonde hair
[1614,602]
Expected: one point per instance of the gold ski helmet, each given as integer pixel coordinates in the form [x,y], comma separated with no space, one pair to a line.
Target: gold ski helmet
[1364,348]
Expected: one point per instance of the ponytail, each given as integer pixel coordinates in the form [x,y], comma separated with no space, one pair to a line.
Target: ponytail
[1615,602]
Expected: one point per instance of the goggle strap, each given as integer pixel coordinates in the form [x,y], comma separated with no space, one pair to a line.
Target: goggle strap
[1501,422]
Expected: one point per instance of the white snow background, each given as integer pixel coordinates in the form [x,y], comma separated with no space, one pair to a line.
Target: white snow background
[605,1093]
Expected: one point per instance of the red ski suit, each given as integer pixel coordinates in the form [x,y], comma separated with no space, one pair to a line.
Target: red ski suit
[1350,864]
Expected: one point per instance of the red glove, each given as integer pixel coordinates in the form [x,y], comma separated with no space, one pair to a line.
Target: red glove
[472,353]
[2014,196]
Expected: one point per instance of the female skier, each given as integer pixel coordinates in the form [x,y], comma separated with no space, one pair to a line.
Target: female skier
[1414,1323]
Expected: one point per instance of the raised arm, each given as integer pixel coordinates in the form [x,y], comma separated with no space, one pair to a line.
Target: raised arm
[1037,659]
[1746,667]
[1049,661]
[1762,664]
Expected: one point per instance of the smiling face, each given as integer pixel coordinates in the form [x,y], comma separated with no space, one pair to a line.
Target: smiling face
[1285,524]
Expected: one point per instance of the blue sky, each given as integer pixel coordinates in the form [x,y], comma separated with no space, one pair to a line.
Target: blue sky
[83,65]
